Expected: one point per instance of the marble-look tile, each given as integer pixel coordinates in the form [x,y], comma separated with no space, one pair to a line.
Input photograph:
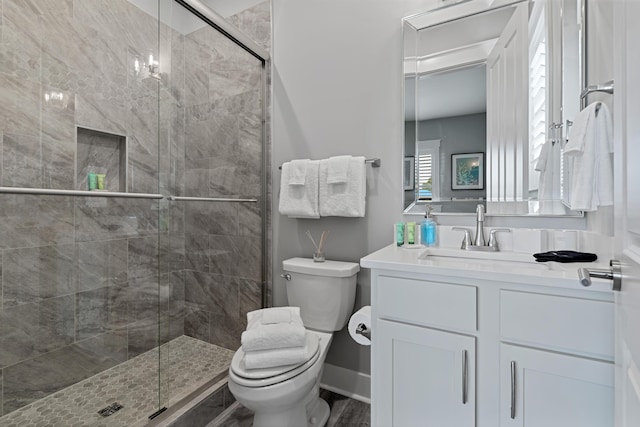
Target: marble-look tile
[256,23]
[250,296]
[212,133]
[57,163]
[235,256]
[29,330]
[250,219]
[27,221]
[241,417]
[144,297]
[172,252]
[36,378]
[143,257]
[197,252]
[21,40]
[196,72]
[58,115]
[211,218]
[35,274]
[143,336]
[196,178]
[101,264]
[114,218]
[20,106]
[226,331]
[21,161]
[196,323]
[1,387]
[176,217]
[102,310]
[211,292]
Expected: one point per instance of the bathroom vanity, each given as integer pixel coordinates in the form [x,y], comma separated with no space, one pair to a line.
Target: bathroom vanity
[506,341]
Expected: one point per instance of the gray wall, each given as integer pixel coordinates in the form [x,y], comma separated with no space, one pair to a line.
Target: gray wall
[337,85]
[461,134]
[338,90]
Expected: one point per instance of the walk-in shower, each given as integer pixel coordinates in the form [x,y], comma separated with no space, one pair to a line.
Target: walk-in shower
[133,195]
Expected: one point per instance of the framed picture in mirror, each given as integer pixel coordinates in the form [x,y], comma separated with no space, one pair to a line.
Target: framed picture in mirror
[467,171]
[409,173]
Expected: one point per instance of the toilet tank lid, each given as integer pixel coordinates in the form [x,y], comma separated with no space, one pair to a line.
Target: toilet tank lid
[327,268]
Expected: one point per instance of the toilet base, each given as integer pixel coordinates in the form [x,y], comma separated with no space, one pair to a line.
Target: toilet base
[314,414]
[318,415]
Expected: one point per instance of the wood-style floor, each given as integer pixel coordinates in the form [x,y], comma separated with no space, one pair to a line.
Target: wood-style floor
[345,412]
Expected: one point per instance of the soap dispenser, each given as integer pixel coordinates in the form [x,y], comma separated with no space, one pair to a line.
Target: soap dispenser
[428,229]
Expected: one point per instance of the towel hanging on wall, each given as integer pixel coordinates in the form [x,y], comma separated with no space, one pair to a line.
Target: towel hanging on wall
[300,201]
[344,199]
[591,144]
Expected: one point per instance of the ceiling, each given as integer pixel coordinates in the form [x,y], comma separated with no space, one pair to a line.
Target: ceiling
[447,94]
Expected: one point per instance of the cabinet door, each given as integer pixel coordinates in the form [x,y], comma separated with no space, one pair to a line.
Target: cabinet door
[422,377]
[544,389]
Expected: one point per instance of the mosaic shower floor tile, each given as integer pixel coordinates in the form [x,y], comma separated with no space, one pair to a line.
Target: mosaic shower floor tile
[185,364]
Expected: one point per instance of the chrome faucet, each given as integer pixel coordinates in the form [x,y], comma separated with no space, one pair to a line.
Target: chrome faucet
[478,243]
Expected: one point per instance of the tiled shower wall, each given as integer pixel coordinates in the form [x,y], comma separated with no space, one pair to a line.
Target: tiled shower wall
[82,277]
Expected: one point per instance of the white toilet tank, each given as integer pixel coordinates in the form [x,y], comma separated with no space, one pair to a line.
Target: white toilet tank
[324,291]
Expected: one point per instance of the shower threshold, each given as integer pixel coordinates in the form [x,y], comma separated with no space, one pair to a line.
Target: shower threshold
[186,364]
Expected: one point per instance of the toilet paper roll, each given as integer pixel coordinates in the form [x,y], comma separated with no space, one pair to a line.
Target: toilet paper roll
[360,317]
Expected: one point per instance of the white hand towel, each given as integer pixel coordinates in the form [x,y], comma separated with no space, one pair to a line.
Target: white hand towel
[298,172]
[281,357]
[591,144]
[346,199]
[276,315]
[300,201]
[272,336]
[338,169]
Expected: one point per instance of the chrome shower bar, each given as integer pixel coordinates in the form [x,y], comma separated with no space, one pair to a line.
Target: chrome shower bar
[77,193]
[208,199]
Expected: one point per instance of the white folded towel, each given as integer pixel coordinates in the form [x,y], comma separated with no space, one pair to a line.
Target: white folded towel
[591,144]
[346,199]
[338,169]
[261,359]
[276,315]
[259,336]
[298,172]
[300,201]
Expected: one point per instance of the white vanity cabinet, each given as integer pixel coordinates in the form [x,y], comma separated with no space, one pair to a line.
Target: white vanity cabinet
[456,346]
[425,364]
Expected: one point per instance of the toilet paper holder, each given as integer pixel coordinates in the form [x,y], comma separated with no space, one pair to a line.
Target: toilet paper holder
[363,330]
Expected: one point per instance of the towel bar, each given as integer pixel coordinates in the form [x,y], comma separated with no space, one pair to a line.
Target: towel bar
[375,162]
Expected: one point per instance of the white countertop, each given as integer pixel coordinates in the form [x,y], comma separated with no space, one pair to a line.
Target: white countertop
[525,270]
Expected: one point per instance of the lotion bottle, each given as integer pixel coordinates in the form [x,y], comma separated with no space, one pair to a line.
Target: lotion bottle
[428,229]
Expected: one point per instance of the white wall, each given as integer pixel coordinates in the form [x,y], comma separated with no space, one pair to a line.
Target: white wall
[337,85]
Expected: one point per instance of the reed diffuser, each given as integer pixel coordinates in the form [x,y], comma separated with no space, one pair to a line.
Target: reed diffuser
[318,255]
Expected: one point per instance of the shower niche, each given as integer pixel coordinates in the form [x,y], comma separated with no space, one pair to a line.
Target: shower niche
[101,153]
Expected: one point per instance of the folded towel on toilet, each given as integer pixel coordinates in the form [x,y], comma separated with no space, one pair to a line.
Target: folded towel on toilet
[260,336]
[277,315]
[260,359]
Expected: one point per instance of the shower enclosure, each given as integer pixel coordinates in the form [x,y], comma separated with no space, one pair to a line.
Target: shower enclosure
[133,195]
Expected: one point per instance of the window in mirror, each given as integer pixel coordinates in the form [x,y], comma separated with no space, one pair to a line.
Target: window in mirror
[427,157]
[537,99]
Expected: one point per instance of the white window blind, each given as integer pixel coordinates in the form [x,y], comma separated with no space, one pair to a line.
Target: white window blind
[424,175]
[537,101]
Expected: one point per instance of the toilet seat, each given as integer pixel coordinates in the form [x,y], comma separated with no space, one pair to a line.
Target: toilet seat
[268,376]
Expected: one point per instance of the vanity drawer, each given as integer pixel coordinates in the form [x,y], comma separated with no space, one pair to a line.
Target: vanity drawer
[560,323]
[428,303]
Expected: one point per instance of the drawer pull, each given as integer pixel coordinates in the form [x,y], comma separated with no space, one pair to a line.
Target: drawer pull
[465,381]
[513,390]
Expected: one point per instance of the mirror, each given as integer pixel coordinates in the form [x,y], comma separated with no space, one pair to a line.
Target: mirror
[485,89]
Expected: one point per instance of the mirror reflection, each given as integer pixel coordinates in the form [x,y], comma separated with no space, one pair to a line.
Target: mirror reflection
[484,93]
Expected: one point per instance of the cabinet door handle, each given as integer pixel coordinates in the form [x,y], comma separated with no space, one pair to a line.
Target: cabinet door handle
[513,390]
[465,370]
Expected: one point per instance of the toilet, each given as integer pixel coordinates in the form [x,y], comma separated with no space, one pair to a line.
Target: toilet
[288,396]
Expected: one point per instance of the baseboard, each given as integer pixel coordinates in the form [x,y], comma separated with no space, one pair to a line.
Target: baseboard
[346,382]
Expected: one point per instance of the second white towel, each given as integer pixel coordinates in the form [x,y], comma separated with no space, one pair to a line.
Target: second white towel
[344,199]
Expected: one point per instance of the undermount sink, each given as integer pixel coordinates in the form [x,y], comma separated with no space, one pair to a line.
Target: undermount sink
[511,259]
